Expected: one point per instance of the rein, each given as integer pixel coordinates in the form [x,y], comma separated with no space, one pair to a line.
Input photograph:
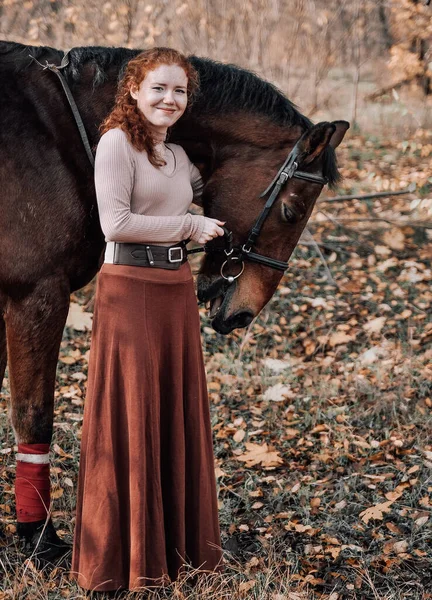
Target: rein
[236,255]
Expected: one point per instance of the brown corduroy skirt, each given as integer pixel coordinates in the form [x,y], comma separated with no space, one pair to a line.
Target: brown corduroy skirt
[146,492]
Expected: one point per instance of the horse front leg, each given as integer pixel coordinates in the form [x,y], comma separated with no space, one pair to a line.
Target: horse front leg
[34,329]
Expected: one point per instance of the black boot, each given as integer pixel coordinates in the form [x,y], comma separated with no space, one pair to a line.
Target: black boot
[42,544]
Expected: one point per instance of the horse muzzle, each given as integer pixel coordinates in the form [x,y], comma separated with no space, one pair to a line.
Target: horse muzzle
[218,295]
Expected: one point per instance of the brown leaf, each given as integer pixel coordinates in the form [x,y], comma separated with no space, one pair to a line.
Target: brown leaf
[61,452]
[56,493]
[399,547]
[239,435]
[376,512]
[214,386]
[334,551]
[219,472]
[301,528]
[260,454]
[394,238]
[319,428]
[394,495]
[246,586]
[375,325]
[340,337]
[387,264]
[67,360]
[393,528]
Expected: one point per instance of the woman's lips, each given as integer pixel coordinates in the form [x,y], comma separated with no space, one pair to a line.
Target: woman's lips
[167,110]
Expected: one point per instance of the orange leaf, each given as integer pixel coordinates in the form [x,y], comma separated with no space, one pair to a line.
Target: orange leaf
[340,337]
[376,512]
[56,493]
[257,454]
[239,435]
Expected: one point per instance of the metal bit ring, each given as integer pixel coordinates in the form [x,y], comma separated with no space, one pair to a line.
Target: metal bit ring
[231,278]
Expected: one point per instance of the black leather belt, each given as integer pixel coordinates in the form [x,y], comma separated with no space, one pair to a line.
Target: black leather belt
[147,255]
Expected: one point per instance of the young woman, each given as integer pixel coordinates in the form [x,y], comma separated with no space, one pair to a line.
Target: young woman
[146,493]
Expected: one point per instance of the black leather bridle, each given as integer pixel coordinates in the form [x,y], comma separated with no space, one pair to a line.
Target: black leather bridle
[233,254]
[237,255]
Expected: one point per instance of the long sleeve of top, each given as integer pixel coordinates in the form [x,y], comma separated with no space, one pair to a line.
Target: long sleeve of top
[138,202]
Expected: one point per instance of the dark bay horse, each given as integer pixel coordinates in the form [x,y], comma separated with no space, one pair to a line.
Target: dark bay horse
[239,132]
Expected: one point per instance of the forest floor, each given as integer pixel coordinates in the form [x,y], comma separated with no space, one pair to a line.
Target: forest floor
[321,411]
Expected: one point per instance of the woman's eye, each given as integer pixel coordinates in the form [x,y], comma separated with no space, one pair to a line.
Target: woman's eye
[158,88]
[181,91]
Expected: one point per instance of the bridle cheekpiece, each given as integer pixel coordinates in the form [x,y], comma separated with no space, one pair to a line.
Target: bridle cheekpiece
[239,254]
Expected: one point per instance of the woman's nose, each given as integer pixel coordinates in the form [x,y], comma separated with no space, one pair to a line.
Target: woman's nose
[169,98]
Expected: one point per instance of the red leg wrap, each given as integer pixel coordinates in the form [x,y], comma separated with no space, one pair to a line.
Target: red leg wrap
[32,485]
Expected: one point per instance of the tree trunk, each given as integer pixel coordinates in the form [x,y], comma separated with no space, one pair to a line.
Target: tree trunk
[382,15]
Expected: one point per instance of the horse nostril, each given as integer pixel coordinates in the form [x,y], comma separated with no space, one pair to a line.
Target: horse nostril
[236,321]
[243,319]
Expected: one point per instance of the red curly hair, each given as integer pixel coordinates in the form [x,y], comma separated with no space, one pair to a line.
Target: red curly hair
[127,116]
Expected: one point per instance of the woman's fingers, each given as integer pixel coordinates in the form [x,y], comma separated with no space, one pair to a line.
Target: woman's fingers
[213,227]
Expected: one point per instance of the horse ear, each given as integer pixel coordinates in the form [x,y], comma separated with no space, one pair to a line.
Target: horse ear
[341,129]
[314,140]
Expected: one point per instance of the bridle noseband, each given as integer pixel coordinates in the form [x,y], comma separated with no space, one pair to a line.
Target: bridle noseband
[236,255]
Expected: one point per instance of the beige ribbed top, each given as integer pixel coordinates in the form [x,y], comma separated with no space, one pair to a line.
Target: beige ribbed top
[141,203]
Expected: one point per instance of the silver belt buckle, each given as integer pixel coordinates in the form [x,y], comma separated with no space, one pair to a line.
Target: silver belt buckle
[170,256]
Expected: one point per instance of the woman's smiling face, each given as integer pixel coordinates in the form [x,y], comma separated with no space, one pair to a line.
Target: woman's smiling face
[162,96]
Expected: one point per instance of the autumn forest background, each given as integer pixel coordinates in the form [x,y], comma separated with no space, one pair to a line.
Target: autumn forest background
[322,408]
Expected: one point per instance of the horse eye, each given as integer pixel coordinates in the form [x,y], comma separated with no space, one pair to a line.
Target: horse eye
[291,214]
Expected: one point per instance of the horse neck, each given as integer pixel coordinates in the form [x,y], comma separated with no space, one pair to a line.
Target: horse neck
[205,135]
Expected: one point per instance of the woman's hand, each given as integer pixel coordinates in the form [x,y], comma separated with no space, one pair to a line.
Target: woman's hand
[212,229]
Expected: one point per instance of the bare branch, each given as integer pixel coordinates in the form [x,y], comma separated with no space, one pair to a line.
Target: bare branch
[409,190]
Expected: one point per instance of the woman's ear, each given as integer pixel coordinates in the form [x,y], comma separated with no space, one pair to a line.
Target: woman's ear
[134,93]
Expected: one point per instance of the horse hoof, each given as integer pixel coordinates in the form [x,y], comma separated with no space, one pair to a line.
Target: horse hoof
[42,545]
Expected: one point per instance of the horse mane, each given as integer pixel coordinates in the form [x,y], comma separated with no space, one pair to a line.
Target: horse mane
[100,57]
[227,87]
[17,56]
[223,87]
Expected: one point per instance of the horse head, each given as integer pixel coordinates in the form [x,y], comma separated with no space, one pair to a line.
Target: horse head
[233,193]
[239,132]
